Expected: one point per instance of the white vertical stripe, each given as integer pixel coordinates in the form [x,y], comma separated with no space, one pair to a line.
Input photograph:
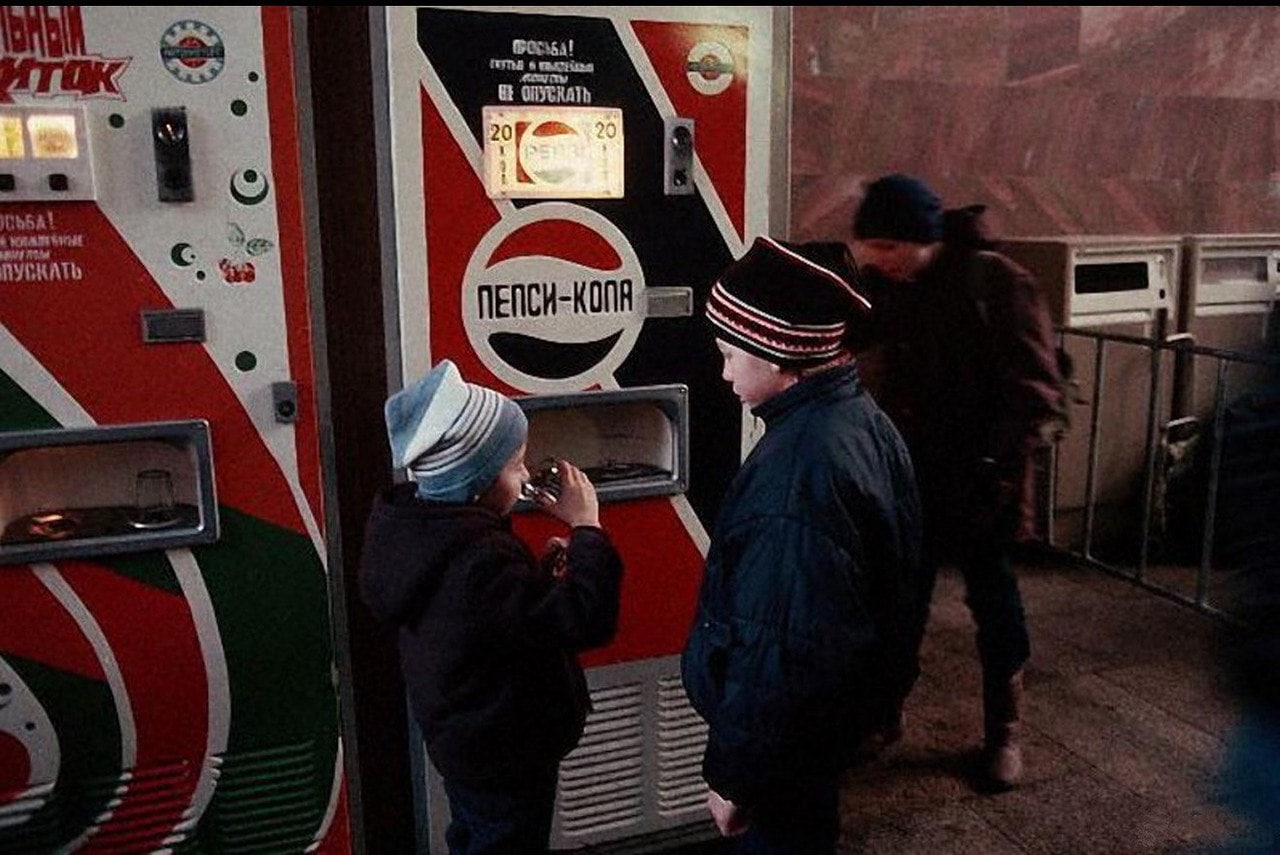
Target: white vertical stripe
[36,381]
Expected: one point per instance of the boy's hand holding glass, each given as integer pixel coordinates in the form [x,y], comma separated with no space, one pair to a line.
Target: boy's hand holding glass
[565,492]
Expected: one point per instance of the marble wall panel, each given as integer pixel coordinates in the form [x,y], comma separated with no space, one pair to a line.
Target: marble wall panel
[1064,119]
[1043,41]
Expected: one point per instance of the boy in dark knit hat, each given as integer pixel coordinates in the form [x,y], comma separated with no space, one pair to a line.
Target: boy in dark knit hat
[802,638]
[961,356]
[488,634]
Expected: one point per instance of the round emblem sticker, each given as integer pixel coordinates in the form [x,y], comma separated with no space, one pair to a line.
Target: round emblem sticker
[192,52]
[709,67]
[553,298]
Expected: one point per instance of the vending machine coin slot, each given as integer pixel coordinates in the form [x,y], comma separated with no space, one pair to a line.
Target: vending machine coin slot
[171,140]
[678,157]
[284,401]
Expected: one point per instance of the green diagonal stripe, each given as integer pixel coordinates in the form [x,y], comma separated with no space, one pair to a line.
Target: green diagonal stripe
[270,593]
[18,410]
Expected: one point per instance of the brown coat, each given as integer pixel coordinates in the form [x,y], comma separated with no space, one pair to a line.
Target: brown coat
[963,361]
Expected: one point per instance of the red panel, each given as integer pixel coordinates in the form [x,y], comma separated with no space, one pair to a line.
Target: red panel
[15,768]
[159,658]
[662,570]
[164,677]
[77,327]
[338,839]
[573,242]
[37,627]
[721,119]
[458,215]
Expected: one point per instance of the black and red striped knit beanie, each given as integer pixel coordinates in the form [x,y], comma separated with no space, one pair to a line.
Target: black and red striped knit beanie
[780,306]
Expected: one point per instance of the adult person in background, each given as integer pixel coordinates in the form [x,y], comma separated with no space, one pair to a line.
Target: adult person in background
[960,354]
[804,619]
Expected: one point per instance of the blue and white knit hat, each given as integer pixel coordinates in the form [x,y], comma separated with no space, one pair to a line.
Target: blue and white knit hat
[453,436]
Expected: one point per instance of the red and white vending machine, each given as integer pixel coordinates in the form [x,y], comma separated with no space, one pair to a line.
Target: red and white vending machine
[566,182]
[166,650]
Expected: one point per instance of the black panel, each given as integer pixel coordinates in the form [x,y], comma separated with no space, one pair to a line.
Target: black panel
[1111,278]
[675,237]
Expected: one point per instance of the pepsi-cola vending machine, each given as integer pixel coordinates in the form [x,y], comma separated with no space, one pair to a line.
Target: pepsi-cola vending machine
[565,184]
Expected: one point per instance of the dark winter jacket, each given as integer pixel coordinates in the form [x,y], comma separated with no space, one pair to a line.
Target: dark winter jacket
[963,361]
[811,604]
[487,635]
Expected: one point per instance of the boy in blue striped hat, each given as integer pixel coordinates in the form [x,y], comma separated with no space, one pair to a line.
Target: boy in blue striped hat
[488,633]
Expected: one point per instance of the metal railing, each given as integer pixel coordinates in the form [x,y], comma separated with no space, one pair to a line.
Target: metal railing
[1184,456]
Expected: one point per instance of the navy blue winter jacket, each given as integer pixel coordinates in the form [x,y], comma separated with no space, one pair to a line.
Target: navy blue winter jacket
[487,636]
[808,619]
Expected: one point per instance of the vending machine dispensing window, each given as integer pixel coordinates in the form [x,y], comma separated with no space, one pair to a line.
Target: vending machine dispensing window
[629,442]
[105,490]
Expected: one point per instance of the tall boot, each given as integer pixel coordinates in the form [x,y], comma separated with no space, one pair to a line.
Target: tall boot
[1002,722]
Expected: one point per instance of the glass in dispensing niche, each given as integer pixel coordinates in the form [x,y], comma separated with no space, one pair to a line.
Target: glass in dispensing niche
[153,505]
[544,484]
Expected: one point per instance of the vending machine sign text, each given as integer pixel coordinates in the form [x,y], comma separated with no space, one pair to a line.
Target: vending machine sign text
[554,298]
[44,54]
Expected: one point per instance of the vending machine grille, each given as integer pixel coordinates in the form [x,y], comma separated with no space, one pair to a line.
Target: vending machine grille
[682,737]
[638,768]
[602,781]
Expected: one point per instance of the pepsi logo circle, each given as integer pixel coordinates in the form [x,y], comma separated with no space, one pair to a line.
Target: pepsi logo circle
[553,298]
[551,152]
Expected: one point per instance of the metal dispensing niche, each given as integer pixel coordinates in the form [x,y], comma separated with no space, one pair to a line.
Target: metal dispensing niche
[1227,299]
[630,442]
[1095,280]
[77,492]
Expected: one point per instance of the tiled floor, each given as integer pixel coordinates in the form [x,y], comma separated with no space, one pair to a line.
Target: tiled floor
[1128,713]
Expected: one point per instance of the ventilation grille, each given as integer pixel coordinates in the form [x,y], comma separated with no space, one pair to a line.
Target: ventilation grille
[17,805]
[682,736]
[267,801]
[139,810]
[150,803]
[29,819]
[602,780]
